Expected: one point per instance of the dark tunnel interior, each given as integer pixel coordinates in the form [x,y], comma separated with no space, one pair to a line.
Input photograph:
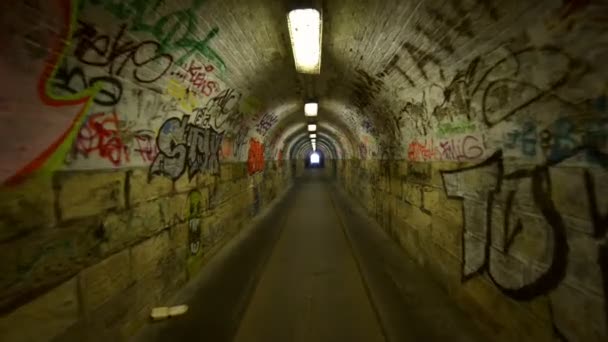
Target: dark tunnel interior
[157,180]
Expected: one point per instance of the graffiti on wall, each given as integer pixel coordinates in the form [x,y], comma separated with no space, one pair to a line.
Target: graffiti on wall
[185,146]
[255,157]
[449,25]
[125,66]
[200,77]
[463,148]
[100,135]
[194,222]
[175,31]
[266,123]
[513,225]
[559,139]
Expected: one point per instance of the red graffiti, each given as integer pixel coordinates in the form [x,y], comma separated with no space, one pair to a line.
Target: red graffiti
[418,151]
[100,134]
[198,78]
[40,155]
[255,159]
[456,149]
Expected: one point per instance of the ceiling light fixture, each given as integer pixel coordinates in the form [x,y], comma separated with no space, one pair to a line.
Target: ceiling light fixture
[312,128]
[311,109]
[305,30]
[313,135]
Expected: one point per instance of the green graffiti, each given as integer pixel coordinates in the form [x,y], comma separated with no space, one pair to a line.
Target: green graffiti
[194,221]
[195,204]
[451,128]
[174,31]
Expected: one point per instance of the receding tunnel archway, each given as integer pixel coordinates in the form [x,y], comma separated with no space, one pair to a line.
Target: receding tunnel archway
[315,159]
[473,132]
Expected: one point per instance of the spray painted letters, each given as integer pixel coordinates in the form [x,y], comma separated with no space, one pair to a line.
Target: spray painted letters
[185,146]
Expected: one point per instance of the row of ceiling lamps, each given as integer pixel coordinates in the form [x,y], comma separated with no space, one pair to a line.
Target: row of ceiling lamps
[305,31]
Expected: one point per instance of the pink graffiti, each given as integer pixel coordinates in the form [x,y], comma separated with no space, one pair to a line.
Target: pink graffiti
[146,146]
[468,148]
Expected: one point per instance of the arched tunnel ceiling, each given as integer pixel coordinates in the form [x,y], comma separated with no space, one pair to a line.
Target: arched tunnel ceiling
[302,146]
[394,74]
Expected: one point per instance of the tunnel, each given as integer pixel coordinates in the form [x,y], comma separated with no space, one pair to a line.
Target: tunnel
[157,184]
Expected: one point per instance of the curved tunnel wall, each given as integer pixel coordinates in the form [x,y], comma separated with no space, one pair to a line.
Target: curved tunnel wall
[146,133]
[135,159]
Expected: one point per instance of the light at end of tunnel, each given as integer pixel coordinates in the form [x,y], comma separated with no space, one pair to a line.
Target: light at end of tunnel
[314,158]
[311,109]
[305,29]
[313,135]
[312,128]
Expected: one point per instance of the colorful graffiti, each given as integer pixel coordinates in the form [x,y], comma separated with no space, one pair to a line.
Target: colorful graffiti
[97,67]
[464,148]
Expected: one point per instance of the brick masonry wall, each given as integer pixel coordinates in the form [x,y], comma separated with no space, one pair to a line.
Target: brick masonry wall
[482,151]
[531,273]
[114,245]
[473,130]
[136,153]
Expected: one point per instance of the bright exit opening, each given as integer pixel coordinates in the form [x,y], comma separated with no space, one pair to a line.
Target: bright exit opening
[314,158]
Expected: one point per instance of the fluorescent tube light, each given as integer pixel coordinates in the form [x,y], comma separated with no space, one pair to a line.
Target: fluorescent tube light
[311,109]
[313,135]
[305,29]
[312,128]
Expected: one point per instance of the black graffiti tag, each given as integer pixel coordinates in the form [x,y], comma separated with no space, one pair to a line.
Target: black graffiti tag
[115,53]
[73,80]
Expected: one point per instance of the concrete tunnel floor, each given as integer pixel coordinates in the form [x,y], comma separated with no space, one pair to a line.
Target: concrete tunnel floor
[323,281]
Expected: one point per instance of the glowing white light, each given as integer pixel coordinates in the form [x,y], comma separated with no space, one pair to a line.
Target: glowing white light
[305,29]
[311,109]
[313,135]
[312,128]
[314,158]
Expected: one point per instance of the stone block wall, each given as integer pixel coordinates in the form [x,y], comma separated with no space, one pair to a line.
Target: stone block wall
[86,255]
[521,252]
[136,152]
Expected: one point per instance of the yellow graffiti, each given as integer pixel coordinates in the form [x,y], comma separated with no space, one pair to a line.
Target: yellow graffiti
[186,100]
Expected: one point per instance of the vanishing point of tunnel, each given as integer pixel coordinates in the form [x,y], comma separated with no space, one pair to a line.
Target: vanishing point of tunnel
[303,170]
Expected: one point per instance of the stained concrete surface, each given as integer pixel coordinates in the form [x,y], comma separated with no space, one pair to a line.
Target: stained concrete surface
[311,289]
[315,269]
